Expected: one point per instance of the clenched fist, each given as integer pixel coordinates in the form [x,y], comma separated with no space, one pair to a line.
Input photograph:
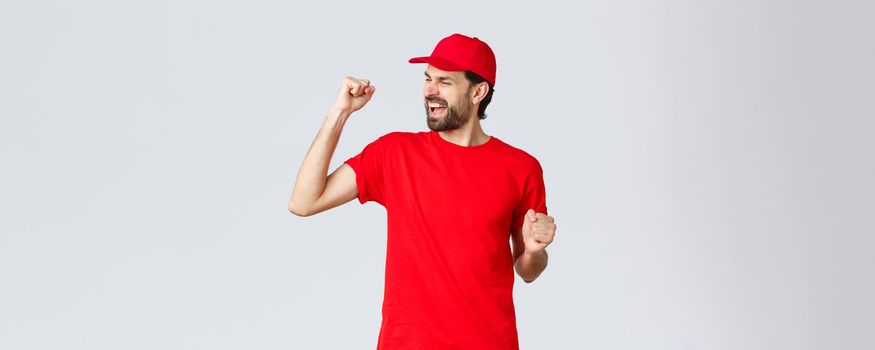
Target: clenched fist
[354,94]
[538,231]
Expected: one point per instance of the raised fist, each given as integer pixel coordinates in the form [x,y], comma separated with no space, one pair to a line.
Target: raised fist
[354,94]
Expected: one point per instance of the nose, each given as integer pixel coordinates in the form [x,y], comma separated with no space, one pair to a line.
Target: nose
[430,89]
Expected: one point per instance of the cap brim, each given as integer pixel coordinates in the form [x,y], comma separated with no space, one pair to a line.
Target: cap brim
[438,63]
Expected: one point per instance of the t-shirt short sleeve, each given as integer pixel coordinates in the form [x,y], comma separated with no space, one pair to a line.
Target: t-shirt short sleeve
[368,167]
[534,196]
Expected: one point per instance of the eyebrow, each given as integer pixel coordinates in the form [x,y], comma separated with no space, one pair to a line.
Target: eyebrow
[440,78]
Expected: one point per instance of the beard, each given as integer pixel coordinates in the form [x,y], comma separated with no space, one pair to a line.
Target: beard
[453,119]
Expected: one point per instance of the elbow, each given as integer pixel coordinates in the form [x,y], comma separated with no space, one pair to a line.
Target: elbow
[523,274]
[296,209]
[526,278]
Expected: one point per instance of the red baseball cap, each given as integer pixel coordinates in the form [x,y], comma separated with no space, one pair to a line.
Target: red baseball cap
[459,53]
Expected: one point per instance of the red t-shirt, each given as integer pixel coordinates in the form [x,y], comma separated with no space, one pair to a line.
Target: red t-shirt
[450,208]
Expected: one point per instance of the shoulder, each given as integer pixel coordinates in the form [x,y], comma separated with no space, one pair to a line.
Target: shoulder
[390,138]
[400,137]
[518,158]
[397,140]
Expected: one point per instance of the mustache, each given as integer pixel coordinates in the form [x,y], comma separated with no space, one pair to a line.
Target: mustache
[436,100]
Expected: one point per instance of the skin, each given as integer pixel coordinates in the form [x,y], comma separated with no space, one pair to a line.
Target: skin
[315,192]
[456,113]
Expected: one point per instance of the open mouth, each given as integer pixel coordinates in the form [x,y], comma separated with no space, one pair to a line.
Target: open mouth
[437,108]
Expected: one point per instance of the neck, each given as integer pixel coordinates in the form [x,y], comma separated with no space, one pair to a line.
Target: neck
[470,134]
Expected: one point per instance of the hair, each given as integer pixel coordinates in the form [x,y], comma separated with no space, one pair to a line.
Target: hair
[475,79]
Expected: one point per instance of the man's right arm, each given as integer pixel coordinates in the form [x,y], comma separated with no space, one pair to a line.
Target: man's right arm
[314,192]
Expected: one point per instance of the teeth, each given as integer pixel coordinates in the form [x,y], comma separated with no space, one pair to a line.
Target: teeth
[435,105]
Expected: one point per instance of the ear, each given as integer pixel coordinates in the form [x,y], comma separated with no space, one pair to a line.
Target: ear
[480,91]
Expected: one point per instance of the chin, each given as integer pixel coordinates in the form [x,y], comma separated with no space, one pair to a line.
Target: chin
[433,123]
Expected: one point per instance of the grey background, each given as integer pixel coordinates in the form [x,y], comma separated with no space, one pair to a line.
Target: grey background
[711,166]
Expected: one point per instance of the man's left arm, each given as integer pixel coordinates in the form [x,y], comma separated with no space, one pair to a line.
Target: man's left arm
[529,244]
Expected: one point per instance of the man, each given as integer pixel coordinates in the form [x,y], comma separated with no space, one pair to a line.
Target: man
[453,195]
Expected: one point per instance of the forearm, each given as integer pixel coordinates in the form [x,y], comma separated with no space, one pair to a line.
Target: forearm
[313,173]
[530,265]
